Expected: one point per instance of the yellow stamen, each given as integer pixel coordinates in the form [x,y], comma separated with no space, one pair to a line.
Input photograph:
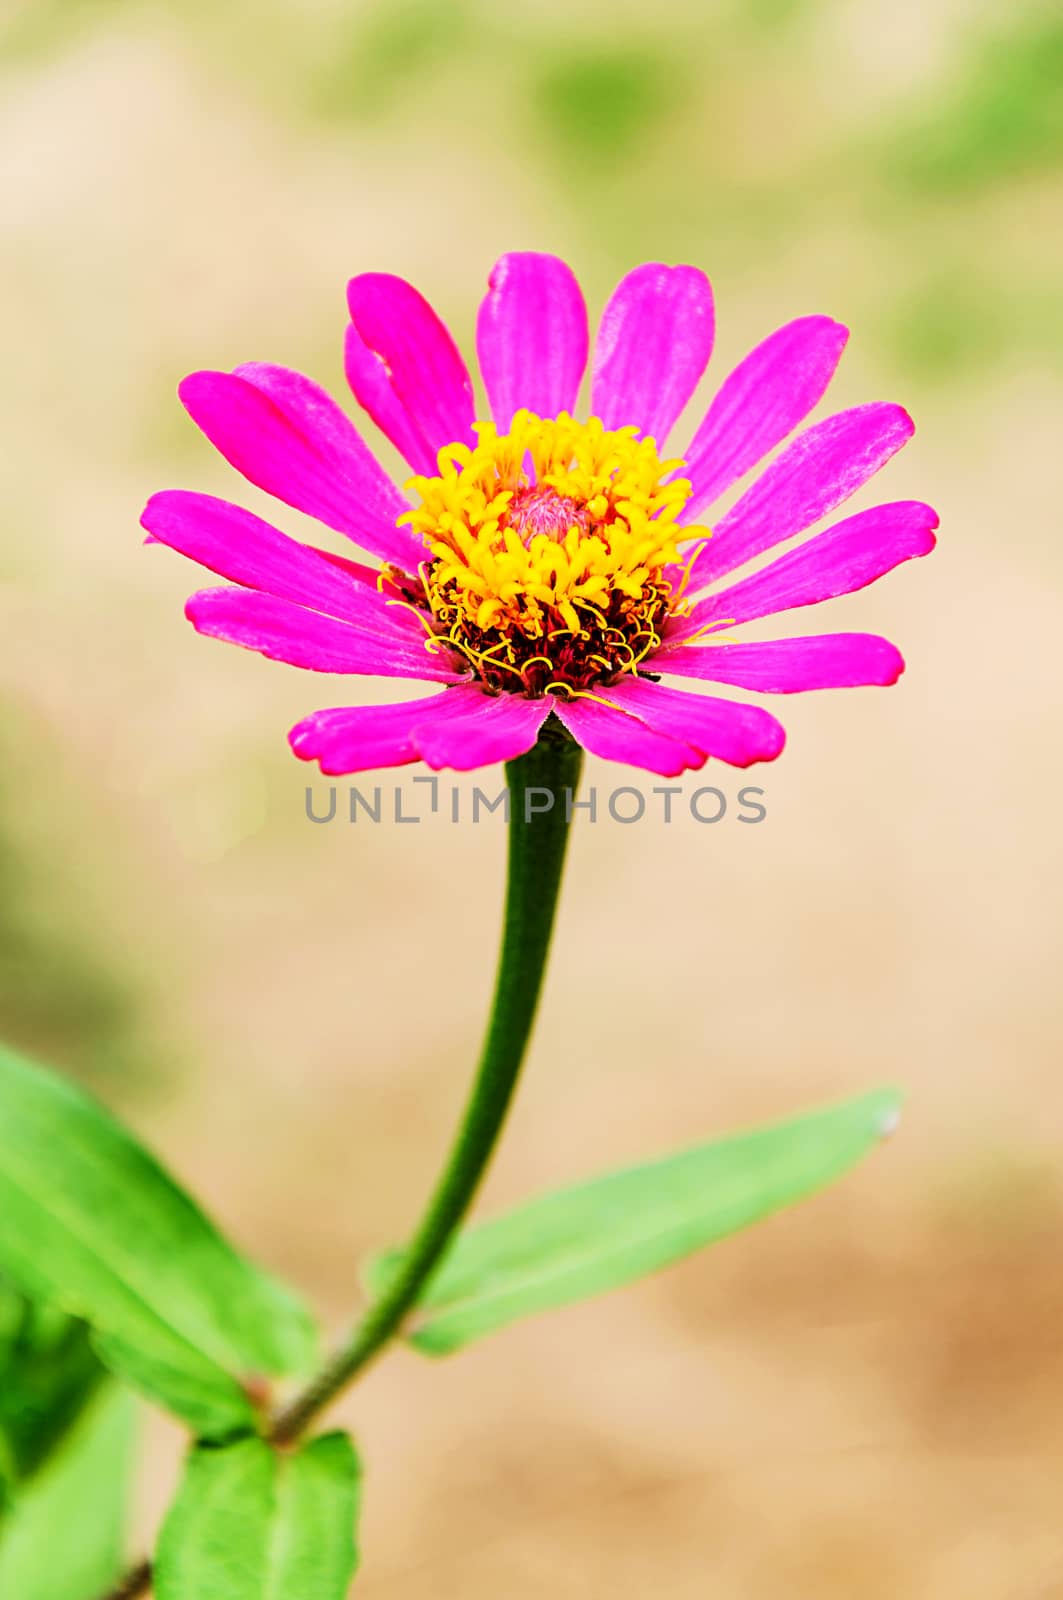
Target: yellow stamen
[708,628]
[549,547]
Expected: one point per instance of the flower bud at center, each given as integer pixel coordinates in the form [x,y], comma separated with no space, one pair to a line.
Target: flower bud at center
[535,510]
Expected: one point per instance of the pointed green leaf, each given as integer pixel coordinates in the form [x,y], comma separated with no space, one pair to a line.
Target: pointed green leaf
[567,1246]
[254,1523]
[64,1538]
[90,1222]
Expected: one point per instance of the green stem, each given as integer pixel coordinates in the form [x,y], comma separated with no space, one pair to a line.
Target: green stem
[536,858]
[537,840]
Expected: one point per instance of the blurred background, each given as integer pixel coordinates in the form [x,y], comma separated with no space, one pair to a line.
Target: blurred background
[861,1397]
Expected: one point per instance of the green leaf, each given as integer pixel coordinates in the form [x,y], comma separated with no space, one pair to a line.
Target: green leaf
[254,1523]
[65,1538]
[615,1229]
[48,1372]
[91,1223]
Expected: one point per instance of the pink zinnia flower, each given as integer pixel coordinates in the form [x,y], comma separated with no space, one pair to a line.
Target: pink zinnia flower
[543,565]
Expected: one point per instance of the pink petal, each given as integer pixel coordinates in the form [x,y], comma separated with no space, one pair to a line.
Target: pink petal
[821,468]
[616,736]
[285,632]
[288,437]
[733,732]
[761,403]
[241,547]
[653,345]
[531,337]
[359,738]
[788,666]
[845,558]
[406,370]
[489,729]
[462,728]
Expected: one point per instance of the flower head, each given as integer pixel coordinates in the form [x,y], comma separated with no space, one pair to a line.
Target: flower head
[549,549]
[544,566]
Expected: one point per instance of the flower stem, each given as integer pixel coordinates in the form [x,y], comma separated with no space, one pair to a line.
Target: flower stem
[538,833]
[541,786]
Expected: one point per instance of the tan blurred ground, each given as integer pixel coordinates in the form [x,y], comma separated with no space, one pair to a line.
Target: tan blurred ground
[865,1397]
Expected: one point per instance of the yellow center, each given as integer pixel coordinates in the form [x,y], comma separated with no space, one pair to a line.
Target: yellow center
[549,548]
